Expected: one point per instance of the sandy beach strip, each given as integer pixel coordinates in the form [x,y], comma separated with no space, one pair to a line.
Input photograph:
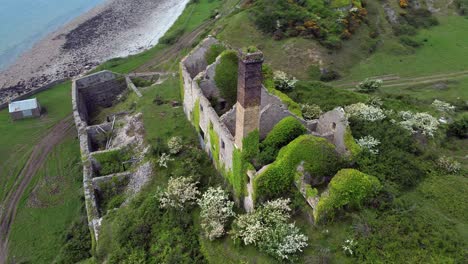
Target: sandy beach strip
[117,28]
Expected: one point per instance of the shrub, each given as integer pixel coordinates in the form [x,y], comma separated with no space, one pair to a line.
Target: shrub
[369,143]
[320,160]
[283,82]
[459,128]
[268,229]
[226,76]
[369,85]
[443,107]
[462,6]
[213,52]
[282,133]
[310,112]
[171,37]
[216,209]
[408,41]
[422,123]
[364,112]
[448,165]
[350,188]
[329,75]
[175,145]
[180,193]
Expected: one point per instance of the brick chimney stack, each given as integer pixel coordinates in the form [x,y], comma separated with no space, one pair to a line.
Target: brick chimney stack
[249,89]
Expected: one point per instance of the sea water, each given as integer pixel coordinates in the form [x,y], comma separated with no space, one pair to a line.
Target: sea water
[24,22]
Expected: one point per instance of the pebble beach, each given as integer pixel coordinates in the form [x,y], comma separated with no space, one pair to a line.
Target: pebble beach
[117,28]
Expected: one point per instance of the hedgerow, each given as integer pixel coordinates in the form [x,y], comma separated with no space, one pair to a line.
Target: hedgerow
[282,133]
[226,76]
[350,188]
[319,157]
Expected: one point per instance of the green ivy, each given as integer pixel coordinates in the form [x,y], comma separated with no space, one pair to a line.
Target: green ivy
[310,192]
[196,115]
[112,161]
[226,76]
[353,148]
[350,188]
[282,133]
[214,144]
[237,179]
[181,83]
[251,145]
[213,52]
[277,178]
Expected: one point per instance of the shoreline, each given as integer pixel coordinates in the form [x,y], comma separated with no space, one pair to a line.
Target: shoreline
[115,28]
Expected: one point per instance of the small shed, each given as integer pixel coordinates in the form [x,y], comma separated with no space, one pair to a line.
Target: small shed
[24,109]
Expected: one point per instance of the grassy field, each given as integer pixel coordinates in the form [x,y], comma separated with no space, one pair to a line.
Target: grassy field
[19,137]
[50,204]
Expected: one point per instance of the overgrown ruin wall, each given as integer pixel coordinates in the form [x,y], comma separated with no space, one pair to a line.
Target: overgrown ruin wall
[198,84]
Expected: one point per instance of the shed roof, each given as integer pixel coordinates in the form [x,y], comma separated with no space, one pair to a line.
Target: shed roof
[23,105]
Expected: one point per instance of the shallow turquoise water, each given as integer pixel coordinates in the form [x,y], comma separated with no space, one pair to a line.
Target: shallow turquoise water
[23,22]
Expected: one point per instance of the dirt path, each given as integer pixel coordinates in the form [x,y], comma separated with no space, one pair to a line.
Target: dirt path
[395,80]
[33,164]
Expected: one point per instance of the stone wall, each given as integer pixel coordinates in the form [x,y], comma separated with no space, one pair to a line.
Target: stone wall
[194,64]
[99,89]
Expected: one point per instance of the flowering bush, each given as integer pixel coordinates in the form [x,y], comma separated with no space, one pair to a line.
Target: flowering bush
[175,145]
[369,86]
[422,123]
[365,112]
[443,107]
[164,159]
[349,246]
[268,229]
[448,164]
[369,143]
[310,112]
[216,209]
[283,82]
[180,192]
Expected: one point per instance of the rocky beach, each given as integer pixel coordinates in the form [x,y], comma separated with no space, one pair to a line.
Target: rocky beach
[117,28]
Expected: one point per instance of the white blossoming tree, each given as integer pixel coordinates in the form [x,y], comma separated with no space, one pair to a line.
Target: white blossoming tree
[369,85]
[164,159]
[216,209]
[369,143]
[283,82]
[310,112]
[443,107]
[180,193]
[267,228]
[175,145]
[365,112]
[422,123]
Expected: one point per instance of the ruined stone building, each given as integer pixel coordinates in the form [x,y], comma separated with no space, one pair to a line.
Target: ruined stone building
[256,108]
[120,135]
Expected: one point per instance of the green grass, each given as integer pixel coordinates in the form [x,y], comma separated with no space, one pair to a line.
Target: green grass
[19,137]
[444,52]
[50,204]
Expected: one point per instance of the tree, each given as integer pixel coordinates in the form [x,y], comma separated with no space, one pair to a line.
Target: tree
[369,85]
[216,209]
[180,193]
[267,228]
